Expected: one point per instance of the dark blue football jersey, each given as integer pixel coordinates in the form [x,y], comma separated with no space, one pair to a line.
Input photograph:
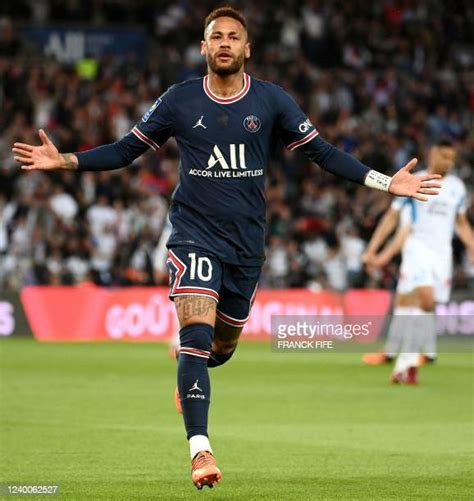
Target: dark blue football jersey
[219,203]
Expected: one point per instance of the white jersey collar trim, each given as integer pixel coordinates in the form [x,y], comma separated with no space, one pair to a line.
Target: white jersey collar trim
[227,100]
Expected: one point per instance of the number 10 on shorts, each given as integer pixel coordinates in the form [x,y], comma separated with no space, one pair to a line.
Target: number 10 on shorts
[201,265]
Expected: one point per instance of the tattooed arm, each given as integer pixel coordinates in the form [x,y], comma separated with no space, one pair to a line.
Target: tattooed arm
[105,157]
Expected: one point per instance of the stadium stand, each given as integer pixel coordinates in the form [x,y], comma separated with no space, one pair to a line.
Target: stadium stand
[381,87]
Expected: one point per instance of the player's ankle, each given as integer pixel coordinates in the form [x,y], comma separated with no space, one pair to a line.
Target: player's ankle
[199,443]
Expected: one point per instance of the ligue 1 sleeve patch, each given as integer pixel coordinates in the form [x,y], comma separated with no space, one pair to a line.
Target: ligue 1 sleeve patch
[148,114]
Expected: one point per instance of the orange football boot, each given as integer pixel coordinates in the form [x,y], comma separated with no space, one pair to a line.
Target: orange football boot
[376,358]
[425,359]
[204,470]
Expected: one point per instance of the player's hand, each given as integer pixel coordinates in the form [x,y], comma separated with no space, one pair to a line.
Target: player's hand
[367,258]
[381,260]
[405,184]
[44,157]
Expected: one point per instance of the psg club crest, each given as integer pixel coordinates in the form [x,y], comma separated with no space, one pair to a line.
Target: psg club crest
[252,123]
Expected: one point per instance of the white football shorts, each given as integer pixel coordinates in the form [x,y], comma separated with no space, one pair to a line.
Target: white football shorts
[423,266]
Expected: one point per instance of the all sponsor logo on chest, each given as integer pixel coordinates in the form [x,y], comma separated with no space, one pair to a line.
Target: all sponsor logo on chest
[226,174]
[233,165]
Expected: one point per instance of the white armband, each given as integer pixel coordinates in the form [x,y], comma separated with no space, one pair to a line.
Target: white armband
[377,180]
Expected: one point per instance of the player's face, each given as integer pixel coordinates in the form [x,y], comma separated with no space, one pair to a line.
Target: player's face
[225,46]
[441,159]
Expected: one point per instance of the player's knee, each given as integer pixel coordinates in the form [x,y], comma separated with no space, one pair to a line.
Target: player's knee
[218,358]
[196,340]
[226,338]
[224,347]
[426,300]
[427,304]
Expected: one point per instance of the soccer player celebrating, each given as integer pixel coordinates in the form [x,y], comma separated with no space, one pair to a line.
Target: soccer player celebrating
[425,234]
[224,125]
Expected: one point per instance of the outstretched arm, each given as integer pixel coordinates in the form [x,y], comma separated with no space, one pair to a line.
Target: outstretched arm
[297,131]
[403,183]
[155,127]
[107,157]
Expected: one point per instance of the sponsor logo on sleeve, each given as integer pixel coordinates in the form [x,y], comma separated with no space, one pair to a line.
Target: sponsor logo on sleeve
[148,114]
[305,126]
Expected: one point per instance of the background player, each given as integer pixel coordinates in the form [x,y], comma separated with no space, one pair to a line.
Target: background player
[224,125]
[425,234]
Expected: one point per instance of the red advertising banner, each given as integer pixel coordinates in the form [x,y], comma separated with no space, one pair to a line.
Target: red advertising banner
[13,321]
[146,314]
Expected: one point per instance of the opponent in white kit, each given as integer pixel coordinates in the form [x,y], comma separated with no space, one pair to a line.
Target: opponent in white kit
[425,234]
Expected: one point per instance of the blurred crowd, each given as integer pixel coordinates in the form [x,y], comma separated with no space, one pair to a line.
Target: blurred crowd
[381,80]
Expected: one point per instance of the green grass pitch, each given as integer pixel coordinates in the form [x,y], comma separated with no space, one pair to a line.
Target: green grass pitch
[99,420]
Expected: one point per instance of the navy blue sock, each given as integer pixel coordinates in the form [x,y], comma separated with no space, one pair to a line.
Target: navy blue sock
[193,378]
[216,359]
